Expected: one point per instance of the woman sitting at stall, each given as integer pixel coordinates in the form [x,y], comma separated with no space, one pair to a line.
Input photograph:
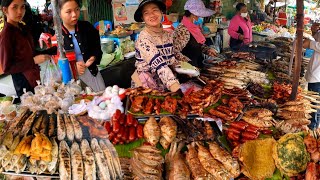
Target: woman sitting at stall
[240,28]
[17,53]
[189,42]
[154,50]
[82,38]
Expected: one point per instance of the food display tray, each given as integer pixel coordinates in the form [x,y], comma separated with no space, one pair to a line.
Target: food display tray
[146,117]
[28,174]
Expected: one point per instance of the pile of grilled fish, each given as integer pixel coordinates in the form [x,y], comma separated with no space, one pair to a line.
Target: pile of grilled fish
[294,115]
[35,143]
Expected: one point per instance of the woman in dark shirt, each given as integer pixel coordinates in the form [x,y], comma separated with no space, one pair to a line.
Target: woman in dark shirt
[17,53]
[82,38]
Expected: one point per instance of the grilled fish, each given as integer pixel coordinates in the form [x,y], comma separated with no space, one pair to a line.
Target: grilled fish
[65,161]
[8,139]
[27,125]
[102,167]
[88,161]
[116,161]
[69,128]
[44,124]
[61,127]
[16,127]
[37,124]
[108,156]
[52,126]
[76,127]
[76,162]
[42,167]
[52,166]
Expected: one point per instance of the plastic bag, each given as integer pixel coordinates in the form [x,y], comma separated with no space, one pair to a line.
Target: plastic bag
[217,43]
[52,74]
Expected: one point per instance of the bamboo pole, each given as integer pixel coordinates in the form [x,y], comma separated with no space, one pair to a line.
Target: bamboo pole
[297,64]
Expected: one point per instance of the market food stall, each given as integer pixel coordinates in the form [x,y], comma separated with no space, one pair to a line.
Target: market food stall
[247,119]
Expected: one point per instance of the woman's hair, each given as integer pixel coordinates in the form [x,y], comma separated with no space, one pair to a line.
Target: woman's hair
[240,5]
[187,13]
[6,3]
[62,2]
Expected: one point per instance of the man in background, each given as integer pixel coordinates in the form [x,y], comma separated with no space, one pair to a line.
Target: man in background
[313,69]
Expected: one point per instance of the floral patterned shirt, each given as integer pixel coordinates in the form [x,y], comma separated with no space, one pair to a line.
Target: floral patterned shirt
[181,38]
[154,55]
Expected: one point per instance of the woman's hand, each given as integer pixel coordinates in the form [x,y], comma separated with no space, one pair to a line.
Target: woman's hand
[212,52]
[81,67]
[90,61]
[41,58]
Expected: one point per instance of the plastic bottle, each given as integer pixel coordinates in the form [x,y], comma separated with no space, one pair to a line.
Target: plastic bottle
[65,70]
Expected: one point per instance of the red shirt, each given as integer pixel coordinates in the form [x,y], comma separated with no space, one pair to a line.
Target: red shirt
[17,52]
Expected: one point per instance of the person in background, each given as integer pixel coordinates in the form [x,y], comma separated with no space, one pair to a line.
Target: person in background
[313,69]
[240,28]
[268,8]
[154,50]
[18,57]
[82,38]
[189,42]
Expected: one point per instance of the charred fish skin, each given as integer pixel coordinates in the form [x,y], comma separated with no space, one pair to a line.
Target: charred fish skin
[76,162]
[44,127]
[88,161]
[27,125]
[52,126]
[116,161]
[109,159]
[65,161]
[37,124]
[103,171]
[69,128]
[77,128]
[61,127]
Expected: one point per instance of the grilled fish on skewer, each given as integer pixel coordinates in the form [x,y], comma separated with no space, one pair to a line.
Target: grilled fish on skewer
[88,161]
[116,161]
[65,161]
[69,128]
[37,124]
[52,126]
[76,162]
[108,156]
[61,127]
[44,124]
[77,128]
[16,128]
[27,125]
[103,171]
[52,166]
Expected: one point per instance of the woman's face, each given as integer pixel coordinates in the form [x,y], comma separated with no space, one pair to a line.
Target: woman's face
[15,11]
[152,15]
[243,9]
[70,12]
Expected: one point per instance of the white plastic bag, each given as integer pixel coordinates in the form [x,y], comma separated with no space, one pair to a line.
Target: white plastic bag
[52,74]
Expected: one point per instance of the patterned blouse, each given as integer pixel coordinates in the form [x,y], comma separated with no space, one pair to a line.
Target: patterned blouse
[154,55]
[181,38]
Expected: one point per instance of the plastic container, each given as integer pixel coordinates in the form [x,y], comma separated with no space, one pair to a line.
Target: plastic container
[10,112]
[107,45]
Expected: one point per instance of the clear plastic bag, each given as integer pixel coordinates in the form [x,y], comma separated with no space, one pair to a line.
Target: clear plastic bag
[52,74]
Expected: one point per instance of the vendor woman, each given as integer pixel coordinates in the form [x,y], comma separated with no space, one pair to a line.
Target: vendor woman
[240,28]
[82,38]
[189,42]
[154,50]
[17,52]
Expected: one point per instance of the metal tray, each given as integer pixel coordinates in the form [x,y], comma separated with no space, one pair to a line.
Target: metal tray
[28,174]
